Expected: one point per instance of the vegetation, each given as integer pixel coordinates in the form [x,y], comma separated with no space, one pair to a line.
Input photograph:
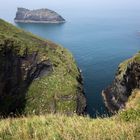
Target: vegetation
[132,110]
[52,90]
[122,126]
[123,66]
[56,92]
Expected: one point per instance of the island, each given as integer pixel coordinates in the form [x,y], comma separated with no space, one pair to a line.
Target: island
[37,16]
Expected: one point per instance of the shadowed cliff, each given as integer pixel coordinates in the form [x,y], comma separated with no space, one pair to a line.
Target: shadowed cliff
[126,80]
[36,75]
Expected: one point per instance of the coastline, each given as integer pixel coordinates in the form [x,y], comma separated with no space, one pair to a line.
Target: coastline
[44,22]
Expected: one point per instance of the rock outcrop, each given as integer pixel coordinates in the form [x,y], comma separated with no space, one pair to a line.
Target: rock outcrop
[37,76]
[38,16]
[126,80]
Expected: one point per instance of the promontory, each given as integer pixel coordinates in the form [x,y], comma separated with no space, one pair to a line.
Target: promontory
[37,76]
[126,81]
[37,16]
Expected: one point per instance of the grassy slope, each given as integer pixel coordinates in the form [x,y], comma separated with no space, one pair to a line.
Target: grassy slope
[51,89]
[123,66]
[123,126]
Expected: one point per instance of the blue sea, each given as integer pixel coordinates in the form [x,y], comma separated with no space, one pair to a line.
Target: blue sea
[99,33]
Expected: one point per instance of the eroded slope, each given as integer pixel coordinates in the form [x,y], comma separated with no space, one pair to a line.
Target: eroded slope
[36,75]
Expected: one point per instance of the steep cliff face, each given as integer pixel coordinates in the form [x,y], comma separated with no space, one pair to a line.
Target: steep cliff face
[36,75]
[38,16]
[126,80]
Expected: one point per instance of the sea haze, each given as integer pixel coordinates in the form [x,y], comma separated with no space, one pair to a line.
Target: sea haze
[99,33]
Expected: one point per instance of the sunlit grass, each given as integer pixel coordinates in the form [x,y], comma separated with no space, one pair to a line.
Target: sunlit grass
[122,126]
[61,127]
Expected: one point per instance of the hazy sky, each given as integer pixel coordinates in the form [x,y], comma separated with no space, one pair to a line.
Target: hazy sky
[71,3]
[64,7]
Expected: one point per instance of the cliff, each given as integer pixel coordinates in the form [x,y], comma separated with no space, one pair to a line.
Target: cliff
[38,16]
[37,76]
[126,80]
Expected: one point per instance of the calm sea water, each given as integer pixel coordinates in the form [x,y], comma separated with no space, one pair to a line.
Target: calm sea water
[100,34]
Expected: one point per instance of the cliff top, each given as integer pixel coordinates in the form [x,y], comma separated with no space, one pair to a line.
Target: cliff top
[32,56]
[124,65]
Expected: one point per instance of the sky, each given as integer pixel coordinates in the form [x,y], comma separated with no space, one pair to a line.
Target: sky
[66,7]
[105,4]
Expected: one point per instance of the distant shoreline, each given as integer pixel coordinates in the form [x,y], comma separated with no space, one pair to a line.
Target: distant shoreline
[44,22]
[24,15]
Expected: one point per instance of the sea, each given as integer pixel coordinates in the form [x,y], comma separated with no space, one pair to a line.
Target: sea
[99,33]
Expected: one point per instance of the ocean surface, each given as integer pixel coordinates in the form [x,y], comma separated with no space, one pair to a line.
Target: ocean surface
[99,33]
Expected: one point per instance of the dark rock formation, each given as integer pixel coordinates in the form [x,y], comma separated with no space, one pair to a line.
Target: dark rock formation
[81,100]
[37,76]
[126,80]
[16,74]
[38,16]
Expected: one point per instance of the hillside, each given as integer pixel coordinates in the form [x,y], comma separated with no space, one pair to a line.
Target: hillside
[37,76]
[123,126]
[126,80]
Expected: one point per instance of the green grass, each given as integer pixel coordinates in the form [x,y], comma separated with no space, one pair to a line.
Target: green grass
[51,90]
[60,127]
[123,66]
[56,92]
[132,109]
[122,126]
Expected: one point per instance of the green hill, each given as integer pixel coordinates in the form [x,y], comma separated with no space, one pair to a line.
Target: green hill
[37,76]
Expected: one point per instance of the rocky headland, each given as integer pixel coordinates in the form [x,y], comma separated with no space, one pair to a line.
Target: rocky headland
[127,79]
[37,76]
[37,16]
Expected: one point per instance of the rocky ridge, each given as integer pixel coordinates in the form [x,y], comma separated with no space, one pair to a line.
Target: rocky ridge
[38,16]
[126,80]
